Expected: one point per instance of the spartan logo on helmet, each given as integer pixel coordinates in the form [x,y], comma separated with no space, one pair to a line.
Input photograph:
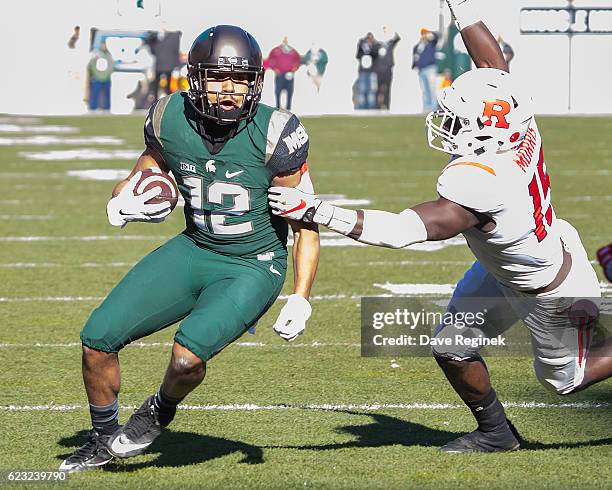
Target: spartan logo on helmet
[218,53]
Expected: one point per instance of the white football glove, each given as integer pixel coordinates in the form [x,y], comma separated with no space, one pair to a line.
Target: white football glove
[293,203]
[126,207]
[292,319]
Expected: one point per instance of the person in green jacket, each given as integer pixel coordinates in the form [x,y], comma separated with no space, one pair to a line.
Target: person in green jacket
[315,60]
[99,71]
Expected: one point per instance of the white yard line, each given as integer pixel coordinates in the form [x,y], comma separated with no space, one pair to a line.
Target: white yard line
[25,217]
[97,238]
[60,140]
[283,345]
[17,128]
[395,290]
[27,299]
[370,407]
[81,154]
[421,262]
[46,265]
[327,240]
[417,289]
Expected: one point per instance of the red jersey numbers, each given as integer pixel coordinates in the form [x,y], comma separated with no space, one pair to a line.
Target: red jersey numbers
[539,190]
[497,109]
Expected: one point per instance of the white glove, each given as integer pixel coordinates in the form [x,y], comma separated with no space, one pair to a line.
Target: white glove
[125,206]
[293,203]
[292,319]
[464,12]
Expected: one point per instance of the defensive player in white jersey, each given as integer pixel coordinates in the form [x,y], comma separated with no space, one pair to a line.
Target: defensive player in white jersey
[530,264]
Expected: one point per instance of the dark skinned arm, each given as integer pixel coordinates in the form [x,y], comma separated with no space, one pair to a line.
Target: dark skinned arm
[445,219]
[483,47]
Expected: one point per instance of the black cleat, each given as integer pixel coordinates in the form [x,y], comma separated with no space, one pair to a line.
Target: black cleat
[505,438]
[139,432]
[93,454]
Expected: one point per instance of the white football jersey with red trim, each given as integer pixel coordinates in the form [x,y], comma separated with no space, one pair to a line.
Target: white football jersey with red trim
[524,250]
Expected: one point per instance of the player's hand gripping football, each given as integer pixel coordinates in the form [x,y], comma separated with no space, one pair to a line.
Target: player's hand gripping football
[292,203]
[292,319]
[126,207]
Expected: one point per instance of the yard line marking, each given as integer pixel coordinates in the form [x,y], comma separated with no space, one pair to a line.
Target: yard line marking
[41,265]
[60,140]
[417,289]
[53,345]
[16,128]
[410,289]
[99,298]
[104,174]
[28,265]
[421,262]
[25,217]
[586,198]
[395,290]
[20,120]
[99,238]
[81,154]
[51,298]
[328,239]
[371,407]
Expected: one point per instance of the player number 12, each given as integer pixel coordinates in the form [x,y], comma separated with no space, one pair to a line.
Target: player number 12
[214,221]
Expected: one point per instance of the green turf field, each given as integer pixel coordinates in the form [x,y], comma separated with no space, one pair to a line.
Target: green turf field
[271,414]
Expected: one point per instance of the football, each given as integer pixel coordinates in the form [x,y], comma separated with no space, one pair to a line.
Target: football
[155,177]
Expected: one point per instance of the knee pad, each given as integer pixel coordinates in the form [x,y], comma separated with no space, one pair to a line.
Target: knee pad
[97,333]
[560,379]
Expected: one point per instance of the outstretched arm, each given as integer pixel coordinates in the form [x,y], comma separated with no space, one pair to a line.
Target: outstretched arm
[480,43]
[435,220]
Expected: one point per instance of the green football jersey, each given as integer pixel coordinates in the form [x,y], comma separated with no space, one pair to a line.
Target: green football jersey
[226,202]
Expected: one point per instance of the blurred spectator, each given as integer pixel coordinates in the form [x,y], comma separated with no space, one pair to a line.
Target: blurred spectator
[424,60]
[367,88]
[315,60]
[179,76]
[140,95]
[99,71]
[383,66]
[284,61]
[506,49]
[75,37]
[165,47]
[447,79]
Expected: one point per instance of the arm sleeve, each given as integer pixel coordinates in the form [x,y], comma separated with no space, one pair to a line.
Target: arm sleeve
[286,143]
[151,128]
[471,184]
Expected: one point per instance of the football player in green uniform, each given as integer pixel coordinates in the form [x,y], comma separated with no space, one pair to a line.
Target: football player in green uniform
[226,269]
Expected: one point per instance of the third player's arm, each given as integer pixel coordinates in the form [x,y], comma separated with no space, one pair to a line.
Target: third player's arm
[480,43]
[435,220]
[429,221]
[306,244]
[483,47]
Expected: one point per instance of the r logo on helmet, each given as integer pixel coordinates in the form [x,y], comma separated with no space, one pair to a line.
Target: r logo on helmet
[497,109]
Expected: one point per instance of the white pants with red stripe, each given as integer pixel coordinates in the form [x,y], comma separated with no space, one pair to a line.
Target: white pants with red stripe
[560,321]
